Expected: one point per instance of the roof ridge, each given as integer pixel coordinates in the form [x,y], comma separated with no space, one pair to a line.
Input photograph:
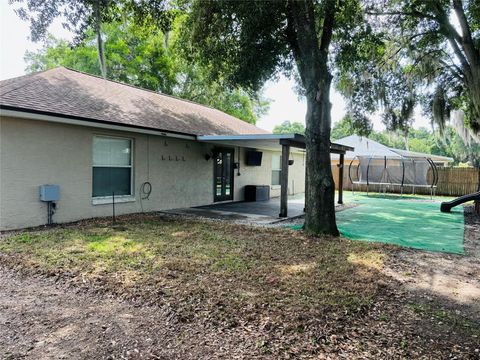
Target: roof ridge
[420,153]
[150,91]
[23,84]
[32,74]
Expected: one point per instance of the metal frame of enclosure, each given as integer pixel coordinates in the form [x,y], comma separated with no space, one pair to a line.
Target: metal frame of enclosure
[387,171]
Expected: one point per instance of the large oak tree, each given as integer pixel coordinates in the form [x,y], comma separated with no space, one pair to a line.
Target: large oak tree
[249,42]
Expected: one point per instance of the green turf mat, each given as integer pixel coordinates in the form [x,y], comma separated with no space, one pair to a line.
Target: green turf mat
[405,222]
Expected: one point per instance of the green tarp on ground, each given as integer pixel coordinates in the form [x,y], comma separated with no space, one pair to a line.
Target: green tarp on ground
[406,221]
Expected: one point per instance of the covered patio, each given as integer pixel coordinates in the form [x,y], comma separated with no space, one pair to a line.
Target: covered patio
[276,142]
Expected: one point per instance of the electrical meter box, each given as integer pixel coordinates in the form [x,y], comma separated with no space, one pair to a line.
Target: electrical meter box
[49,192]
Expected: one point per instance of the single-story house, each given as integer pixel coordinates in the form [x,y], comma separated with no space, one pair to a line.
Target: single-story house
[364,146]
[102,142]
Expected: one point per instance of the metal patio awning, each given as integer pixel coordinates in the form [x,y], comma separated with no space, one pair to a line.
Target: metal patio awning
[268,141]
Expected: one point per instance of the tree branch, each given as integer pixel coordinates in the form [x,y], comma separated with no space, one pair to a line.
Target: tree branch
[462,19]
[328,25]
[467,40]
[456,71]
[413,13]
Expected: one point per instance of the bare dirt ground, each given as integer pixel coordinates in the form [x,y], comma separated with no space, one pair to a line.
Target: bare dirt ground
[49,317]
[453,278]
[41,319]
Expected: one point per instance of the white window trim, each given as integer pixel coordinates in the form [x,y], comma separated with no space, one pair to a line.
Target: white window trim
[101,200]
[275,186]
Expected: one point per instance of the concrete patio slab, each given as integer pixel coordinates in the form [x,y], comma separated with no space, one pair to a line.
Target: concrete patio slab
[269,208]
[259,212]
[253,213]
[241,218]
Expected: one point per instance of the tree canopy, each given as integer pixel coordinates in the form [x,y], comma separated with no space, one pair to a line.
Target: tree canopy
[288,127]
[147,57]
[416,53]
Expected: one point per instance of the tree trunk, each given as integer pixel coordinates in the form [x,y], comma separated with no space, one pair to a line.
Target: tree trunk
[320,186]
[311,56]
[98,31]
[405,138]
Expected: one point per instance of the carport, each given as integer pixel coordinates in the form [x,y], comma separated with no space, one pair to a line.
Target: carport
[276,142]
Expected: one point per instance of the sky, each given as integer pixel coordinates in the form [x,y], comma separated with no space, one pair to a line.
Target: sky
[15,41]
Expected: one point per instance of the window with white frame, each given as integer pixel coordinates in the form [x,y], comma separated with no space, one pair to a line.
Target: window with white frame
[276,169]
[112,166]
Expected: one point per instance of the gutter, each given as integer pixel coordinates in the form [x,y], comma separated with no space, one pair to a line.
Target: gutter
[81,121]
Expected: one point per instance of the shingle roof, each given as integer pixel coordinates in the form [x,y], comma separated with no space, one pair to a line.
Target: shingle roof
[414,154]
[365,147]
[70,93]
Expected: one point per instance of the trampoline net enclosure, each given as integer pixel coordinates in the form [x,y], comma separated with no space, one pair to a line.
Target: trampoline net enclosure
[412,172]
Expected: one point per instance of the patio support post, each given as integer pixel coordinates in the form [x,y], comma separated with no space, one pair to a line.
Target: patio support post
[284,181]
[340,179]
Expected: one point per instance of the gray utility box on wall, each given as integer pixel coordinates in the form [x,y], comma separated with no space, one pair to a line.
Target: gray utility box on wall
[49,192]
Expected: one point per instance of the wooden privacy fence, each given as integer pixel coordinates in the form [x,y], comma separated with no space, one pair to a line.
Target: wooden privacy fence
[454,181]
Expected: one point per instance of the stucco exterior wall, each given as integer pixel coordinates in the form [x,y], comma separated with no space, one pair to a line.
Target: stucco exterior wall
[262,175]
[35,152]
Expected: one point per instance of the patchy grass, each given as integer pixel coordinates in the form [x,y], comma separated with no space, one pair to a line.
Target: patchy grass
[209,263]
[296,294]
[444,316]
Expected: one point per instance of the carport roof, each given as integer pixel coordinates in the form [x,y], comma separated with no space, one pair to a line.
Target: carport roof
[267,141]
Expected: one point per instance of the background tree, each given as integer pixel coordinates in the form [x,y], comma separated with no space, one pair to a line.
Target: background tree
[432,47]
[137,55]
[352,124]
[288,127]
[144,56]
[78,15]
[421,53]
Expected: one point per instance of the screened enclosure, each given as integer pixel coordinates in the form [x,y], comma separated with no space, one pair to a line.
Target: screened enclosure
[400,171]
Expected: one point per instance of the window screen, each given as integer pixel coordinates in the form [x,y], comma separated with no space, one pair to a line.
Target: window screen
[112,166]
[276,169]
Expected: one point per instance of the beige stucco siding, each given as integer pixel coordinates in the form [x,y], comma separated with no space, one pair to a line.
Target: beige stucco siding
[35,152]
[262,175]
